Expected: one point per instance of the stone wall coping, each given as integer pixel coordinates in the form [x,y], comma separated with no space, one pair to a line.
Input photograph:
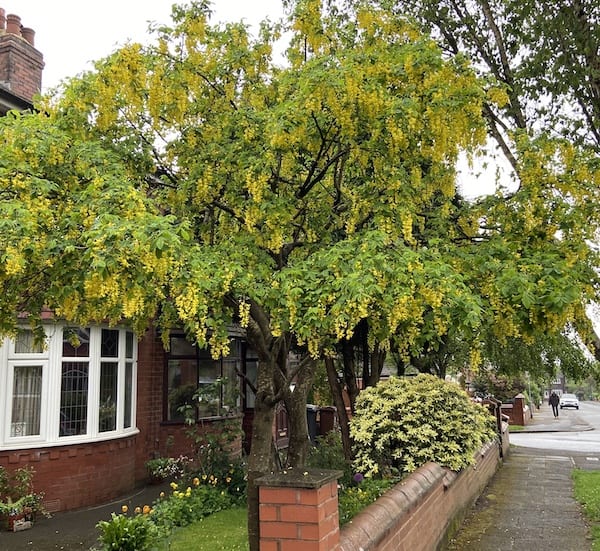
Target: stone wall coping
[299,478]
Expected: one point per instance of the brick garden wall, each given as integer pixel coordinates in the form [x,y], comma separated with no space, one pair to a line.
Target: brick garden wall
[423,511]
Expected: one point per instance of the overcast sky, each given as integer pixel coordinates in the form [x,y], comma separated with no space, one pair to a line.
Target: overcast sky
[72,33]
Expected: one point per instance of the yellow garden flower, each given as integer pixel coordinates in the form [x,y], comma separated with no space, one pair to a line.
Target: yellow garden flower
[124,508]
[137,510]
[174,485]
[146,510]
[196,481]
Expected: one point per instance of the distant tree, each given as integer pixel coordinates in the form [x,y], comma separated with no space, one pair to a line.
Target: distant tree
[545,56]
[543,357]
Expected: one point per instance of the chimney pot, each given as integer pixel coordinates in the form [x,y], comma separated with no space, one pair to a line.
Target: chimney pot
[2,19]
[28,34]
[13,24]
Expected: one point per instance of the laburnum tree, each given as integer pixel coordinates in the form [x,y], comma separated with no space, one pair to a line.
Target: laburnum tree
[201,181]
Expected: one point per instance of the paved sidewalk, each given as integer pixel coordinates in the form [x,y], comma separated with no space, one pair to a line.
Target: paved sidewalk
[543,421]
[529,503]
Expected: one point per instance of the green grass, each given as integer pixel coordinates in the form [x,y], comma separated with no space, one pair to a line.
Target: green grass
[225,531]
[587,492]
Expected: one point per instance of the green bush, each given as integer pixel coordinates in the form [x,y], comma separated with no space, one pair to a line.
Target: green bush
[353,499]
[402,423]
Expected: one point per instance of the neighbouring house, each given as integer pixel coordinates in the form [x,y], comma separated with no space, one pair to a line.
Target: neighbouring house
[91,406]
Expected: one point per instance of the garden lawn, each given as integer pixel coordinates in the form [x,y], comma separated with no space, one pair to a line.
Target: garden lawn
[225,531]
[587,492]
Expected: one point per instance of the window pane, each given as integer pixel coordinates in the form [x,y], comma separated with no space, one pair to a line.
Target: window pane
[76,342]
[109,346]
[128,394]
[251,375]
[129,345]
[25,343]
[231,388]
[209,391]
[73,398]
[26,400]
[108,396]
[181,347]
[182,384]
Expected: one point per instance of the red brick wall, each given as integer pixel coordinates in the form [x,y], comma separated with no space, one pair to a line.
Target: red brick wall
[518,413]
[422,511]
[79,475]
[152,440]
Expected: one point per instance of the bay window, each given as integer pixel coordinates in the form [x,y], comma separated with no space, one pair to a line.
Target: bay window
[78,385]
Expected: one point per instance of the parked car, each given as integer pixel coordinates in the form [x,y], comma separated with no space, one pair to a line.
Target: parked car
[569,401]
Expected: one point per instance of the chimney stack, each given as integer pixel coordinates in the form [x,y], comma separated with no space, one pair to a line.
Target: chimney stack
[20,63]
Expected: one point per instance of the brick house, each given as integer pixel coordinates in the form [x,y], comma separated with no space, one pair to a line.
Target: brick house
[89,408]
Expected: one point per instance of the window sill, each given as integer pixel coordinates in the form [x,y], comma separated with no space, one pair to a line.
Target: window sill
[28,443]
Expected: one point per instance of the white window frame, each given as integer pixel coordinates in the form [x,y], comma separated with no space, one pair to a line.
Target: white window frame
[12,364]
[51,361]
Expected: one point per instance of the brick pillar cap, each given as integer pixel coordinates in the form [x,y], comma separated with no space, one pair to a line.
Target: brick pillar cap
[299,478]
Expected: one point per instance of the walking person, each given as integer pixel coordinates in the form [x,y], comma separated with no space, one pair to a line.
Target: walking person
[554,400]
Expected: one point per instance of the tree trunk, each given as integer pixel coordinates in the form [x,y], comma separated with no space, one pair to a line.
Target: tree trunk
[377,358]
[260,460]
[295,403]
[349,367]
[337,392]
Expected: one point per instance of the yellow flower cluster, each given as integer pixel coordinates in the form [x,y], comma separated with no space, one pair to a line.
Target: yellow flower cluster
[433,297]
[133,302]
[256,185]
[14,262]
[109,287]
[70,306]
[407,228]
[187,304]
[244,310]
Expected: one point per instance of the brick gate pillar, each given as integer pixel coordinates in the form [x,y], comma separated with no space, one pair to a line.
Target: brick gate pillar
[298,510]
